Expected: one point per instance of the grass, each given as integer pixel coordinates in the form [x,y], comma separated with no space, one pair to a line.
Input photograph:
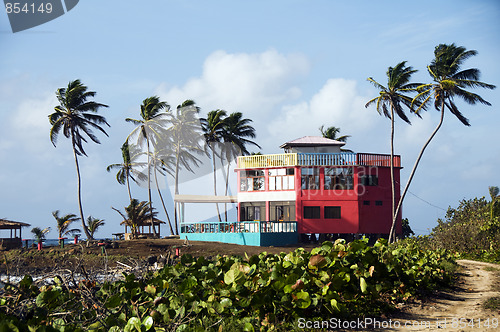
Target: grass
[493,303]
[491,269]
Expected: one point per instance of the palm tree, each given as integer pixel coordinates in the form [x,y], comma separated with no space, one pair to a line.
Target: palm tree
[495,202]
[331,133]
[391,100]
[63,224]
[449,82]
[75,116]
[127,169]
[39,233]
[213,129]
[235,131]
[162,163]
[137,214]
[150,127]
[93,224]
[185,136]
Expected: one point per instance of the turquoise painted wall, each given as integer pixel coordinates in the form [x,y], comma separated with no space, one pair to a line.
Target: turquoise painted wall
[248,239]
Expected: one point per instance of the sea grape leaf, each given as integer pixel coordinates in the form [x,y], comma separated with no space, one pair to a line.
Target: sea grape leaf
[304,300]
[150,289]
[362,284]
[148,322]
[248,327]
[113,302]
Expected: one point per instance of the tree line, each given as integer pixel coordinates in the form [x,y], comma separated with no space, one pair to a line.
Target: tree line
[449,82]
[163,142]
[166,141]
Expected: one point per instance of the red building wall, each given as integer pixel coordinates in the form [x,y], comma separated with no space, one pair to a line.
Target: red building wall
[365,209]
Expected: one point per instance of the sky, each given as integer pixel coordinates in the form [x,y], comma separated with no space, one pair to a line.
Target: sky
[290,66]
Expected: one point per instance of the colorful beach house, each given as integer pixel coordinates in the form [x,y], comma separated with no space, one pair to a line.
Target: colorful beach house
[312,188]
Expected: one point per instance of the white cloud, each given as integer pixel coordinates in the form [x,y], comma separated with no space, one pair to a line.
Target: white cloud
[30,125]
[337,103]
[250,83]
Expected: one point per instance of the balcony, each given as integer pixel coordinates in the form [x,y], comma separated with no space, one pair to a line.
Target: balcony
[317,159]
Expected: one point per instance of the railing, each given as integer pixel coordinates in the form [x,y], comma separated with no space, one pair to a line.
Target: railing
[326,159]
[318,159]
[370,159]
[240,227]
[268,160]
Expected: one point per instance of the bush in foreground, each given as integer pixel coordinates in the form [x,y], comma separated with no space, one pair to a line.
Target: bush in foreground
[258,293]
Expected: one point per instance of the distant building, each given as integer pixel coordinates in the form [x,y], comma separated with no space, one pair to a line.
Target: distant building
[312,188]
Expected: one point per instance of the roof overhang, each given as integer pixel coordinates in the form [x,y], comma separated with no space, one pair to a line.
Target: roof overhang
[205,199]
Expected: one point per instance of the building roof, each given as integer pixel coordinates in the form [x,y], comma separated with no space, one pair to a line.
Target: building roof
[9,224]
[205,199]
[146,223]
[312,141]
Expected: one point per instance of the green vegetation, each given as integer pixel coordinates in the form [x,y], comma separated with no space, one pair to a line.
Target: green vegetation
[471,230]
[39,233]
[63,224]
[257,293]
[493,303]
[331,133]
[137,214]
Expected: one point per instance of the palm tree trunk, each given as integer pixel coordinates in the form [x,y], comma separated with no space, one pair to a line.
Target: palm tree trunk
[128,188]
[162,202]
[85,229]
[416,164]
[149,186]
[393,197]
[215,184]
[176,189]
[227,186]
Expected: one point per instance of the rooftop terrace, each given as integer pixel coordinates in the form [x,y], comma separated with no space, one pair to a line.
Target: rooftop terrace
[318,159]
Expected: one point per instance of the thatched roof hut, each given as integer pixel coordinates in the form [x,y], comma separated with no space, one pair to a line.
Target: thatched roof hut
[14,241]
[140,227]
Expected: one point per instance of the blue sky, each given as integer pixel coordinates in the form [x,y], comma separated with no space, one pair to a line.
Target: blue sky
[291,66]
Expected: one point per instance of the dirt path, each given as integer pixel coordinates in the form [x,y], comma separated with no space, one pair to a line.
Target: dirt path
[460,309]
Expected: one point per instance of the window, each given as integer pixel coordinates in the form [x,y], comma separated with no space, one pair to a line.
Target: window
[282,211]
[378,203]
[252,180]
[332,212]
[252,211]
[281,179]
[337,178]
[310,178]
[366,202]
[312,212]
[369,180]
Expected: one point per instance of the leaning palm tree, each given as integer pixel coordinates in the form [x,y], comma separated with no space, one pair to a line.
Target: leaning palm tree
[162,163]
[331,133]
[149,127]
[390,101]
[93,224]
[185,137]
[128,168]
[39,233]
[213,129]
[450,81]
[235,134]
[137,214]
[64,222]
[75,116]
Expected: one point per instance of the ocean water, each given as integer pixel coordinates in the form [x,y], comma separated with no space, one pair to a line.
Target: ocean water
[52,242]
